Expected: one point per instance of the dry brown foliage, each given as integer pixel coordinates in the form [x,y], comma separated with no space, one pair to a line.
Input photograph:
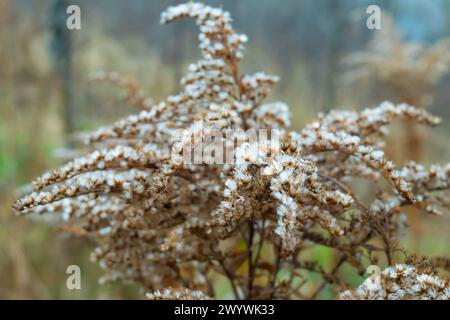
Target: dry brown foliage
[175,226]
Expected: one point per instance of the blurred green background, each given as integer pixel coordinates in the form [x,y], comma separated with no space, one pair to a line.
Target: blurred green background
[45,94]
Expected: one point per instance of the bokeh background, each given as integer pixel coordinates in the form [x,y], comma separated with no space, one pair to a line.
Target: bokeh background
[45,95]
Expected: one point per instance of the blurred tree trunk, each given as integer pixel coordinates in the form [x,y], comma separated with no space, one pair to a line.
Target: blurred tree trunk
[334,46]
[62,50]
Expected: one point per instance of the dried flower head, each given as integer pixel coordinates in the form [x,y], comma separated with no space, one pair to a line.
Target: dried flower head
[400,282]
[177,294]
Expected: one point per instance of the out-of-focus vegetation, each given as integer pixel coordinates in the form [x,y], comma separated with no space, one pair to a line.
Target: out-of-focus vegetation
[303,41]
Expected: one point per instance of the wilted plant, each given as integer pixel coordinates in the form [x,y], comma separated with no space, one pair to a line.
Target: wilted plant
[175,227]
[400,282]
[401,71]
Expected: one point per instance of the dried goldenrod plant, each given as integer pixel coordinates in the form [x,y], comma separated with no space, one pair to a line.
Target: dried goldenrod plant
[177,227]
[406,72]
[401,71]
[135,95]
[400,282]
[177,294]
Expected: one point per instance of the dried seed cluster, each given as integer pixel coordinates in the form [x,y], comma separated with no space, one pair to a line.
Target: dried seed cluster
[400,282]
[164,222]
[177,294]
